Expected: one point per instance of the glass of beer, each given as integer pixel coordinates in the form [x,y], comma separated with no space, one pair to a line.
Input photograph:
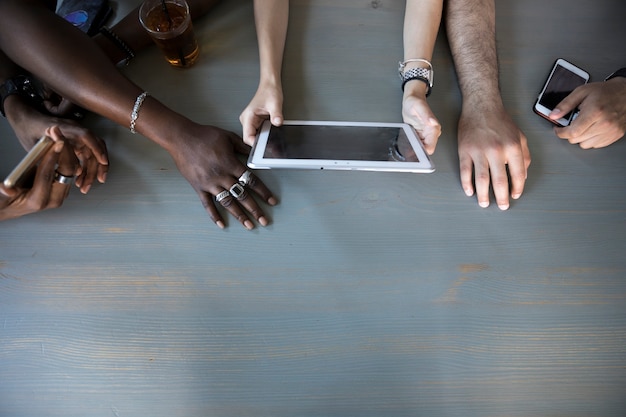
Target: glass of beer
[169,24]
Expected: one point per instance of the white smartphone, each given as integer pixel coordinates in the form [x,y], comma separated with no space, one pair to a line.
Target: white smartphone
[366,146]
[28,162]
[563,79]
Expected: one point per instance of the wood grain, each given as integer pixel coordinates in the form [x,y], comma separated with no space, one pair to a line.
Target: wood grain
[368,294]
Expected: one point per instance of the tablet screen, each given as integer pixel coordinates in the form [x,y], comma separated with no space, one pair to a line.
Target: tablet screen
[353,143]
[366,146]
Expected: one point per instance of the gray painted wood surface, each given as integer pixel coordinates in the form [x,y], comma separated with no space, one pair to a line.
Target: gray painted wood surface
[369,294]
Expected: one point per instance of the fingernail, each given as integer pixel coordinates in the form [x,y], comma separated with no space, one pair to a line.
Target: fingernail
[86,189]
[220,224]
[483,204]
[248,225]
[515,196]
[503,206]
[272,201]
[468,192]
[104,178]
[262,221]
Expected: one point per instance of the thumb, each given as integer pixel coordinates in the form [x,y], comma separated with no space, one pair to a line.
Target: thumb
[276,116]
[569,103]
[6,191]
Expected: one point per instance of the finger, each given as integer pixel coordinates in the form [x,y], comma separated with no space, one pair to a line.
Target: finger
[86,170]
[482,180]
[238,144]
[569,103]
[466,167]
[594,141]
[525,152]
[248,202]
[44,177]
[500,184]
[103,171]
[276,116]
[518,169]
[8,192]
[88,176]
[431,135]
[68,166]
[578,129]
[58,194]
[249,131]
[425,123]
[251,124]
[432,128]
[231,205]
[66,107]
[88,139]
[209,206]
[256,185]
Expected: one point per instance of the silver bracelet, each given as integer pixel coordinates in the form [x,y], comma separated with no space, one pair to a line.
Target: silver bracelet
[133,116]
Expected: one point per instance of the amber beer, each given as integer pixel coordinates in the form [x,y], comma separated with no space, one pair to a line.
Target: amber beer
[171,29]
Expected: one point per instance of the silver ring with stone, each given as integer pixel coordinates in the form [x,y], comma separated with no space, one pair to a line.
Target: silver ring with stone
[237,190]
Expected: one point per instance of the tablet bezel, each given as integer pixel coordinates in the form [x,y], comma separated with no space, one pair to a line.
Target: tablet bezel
[257,161]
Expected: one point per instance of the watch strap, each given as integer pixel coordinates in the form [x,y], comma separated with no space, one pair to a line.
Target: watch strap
[419,74]
[619,73]
[425,75]
[7,89]
[25,87]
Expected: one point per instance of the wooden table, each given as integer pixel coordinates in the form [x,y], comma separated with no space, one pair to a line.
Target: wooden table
[369,294]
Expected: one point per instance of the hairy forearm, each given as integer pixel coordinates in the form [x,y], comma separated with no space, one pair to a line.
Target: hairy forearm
[470,26]
[271,19]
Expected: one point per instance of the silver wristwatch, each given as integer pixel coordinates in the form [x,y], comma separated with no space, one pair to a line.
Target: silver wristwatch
[426,75]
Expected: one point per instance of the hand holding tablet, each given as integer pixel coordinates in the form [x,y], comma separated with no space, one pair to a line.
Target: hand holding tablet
[366,146]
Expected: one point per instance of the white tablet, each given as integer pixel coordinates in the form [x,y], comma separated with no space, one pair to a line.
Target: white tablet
[340,145]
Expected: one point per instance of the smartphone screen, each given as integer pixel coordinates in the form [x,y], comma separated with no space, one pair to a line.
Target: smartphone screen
[561,84]
[564,78]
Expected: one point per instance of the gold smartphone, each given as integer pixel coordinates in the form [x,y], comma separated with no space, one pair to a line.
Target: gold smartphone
[28,162]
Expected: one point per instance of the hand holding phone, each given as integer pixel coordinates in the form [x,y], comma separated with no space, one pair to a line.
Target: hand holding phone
[28,162]
[45,192]
[564,78]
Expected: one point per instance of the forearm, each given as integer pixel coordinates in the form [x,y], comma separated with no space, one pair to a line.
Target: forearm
[8,69]
[421,25]
[471,30]
[271,19]
[82,72]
